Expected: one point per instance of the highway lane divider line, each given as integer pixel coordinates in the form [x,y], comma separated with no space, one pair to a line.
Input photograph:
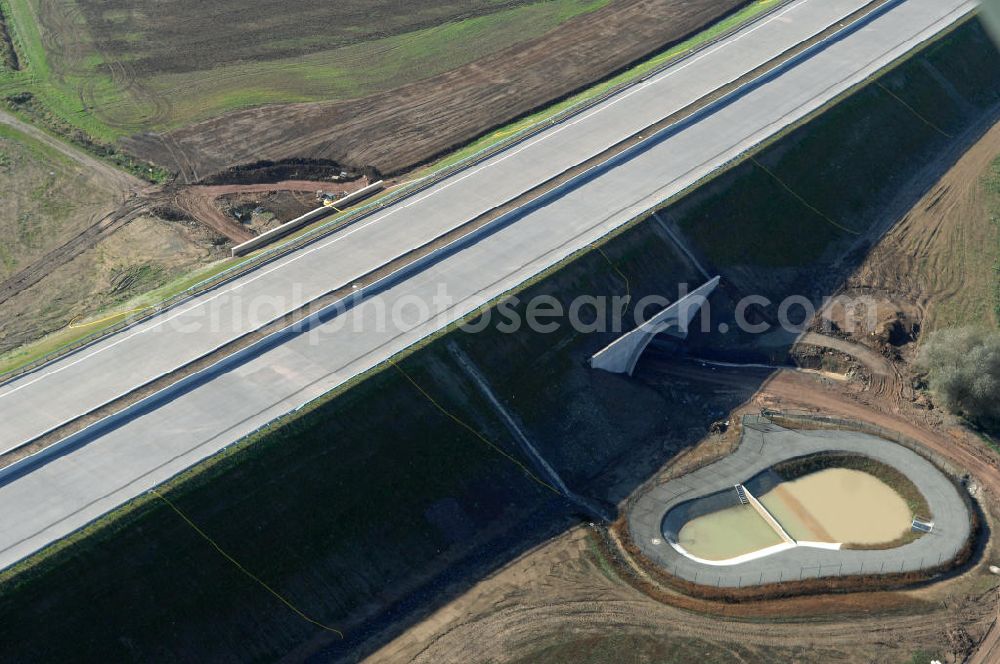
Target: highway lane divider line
[243,569]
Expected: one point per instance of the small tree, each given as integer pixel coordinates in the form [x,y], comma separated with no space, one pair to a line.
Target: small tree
[963,371]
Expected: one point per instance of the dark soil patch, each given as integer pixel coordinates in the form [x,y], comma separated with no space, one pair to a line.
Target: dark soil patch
[264,172]
[233,31]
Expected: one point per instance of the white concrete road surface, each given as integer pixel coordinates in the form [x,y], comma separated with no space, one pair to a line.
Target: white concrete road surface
[67,492]
[86,380]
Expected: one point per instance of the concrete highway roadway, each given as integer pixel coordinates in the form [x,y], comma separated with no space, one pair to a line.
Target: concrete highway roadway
[86,380]
[65,493]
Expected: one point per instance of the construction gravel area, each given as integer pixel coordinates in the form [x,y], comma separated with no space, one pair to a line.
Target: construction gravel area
[285,200]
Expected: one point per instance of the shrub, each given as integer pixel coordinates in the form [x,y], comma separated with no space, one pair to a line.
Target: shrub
[963,371]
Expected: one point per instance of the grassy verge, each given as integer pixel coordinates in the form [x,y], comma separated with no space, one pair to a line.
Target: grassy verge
[8,54]
[81,331]
[53,100]
[57,91]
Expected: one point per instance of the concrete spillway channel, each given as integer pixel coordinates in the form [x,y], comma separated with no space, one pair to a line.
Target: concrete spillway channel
[592,508]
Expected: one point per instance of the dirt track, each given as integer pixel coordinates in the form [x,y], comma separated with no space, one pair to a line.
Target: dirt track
[938,257]
[581,602]
[65,253]
[125,183]
[400,128]
[201,201]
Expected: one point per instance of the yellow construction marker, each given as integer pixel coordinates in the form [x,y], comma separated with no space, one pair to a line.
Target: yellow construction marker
[628,286]
[73,324]
[800,199]
[243,569]
[913,110]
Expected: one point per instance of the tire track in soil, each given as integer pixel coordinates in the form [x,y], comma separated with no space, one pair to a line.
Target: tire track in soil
[199,201]
[42,267]
[398,128]
[59,29]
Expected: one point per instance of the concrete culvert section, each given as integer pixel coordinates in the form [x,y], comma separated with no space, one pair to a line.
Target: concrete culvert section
[842,503]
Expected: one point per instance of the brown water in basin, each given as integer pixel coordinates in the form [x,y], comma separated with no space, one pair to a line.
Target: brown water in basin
[839,505]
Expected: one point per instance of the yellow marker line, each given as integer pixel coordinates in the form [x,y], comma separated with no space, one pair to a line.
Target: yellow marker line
[73,324]
[913,110]
[242,568]
[628,285]
[478,435]
[800,199]
[508,132]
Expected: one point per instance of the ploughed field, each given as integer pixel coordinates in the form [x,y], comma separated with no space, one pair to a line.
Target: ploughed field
[147,32]
[395,83]
[836,505]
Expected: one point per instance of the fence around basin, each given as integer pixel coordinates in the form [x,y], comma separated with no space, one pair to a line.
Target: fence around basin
[922,568]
